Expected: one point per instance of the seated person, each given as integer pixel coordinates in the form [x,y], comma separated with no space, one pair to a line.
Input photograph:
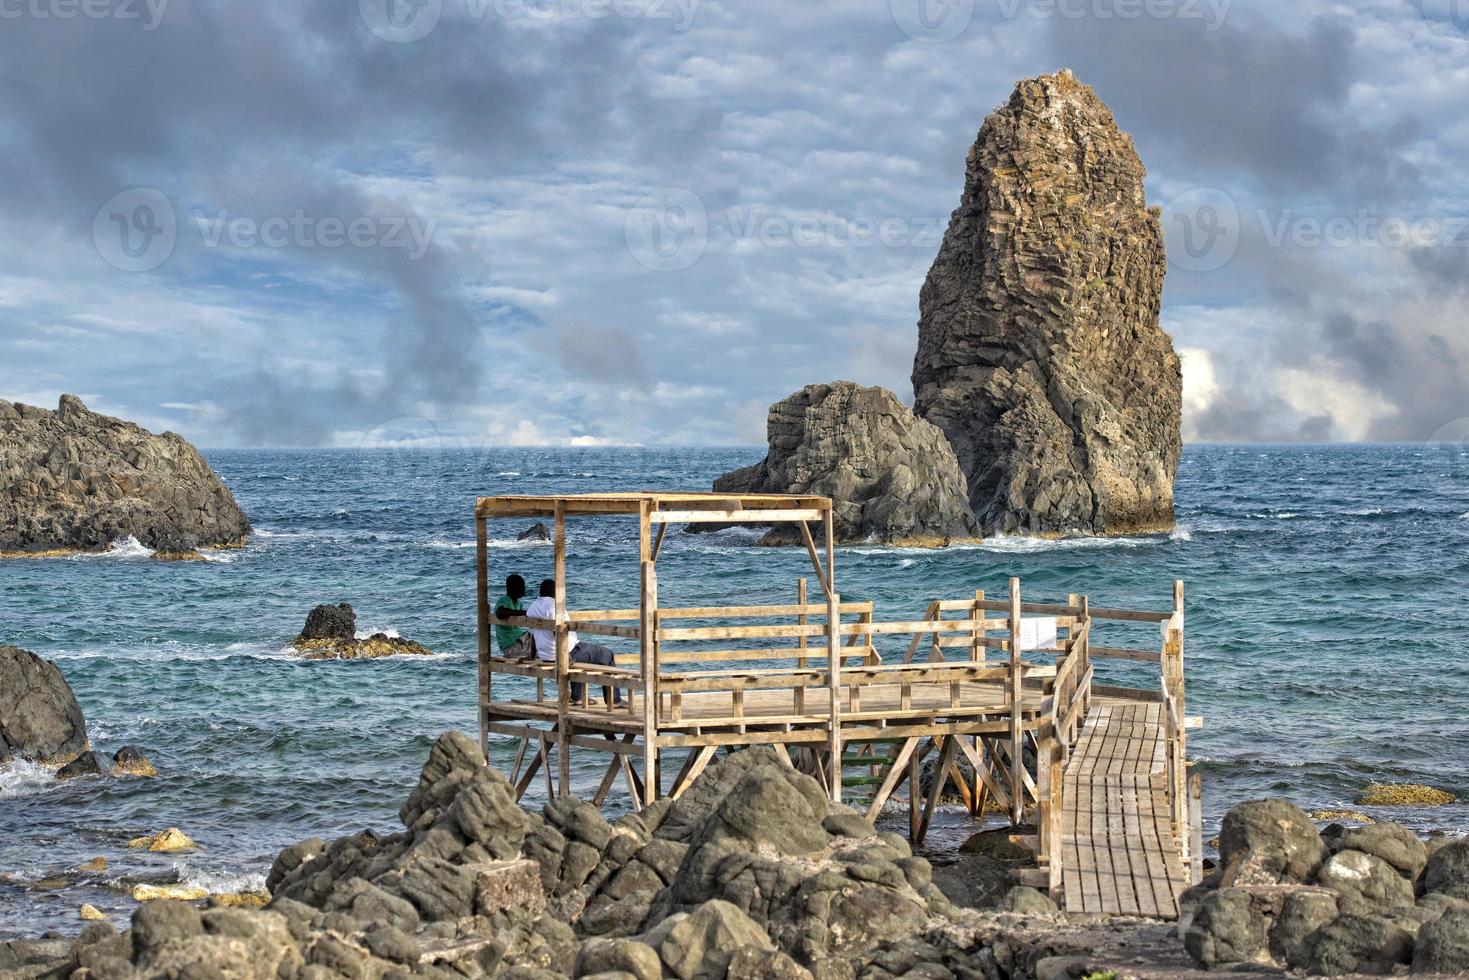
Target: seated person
[515,642]
[581,651]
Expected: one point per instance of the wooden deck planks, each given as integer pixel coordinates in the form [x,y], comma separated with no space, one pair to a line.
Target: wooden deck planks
[1120,848]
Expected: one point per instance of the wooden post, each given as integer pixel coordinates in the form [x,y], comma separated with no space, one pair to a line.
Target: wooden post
[1086,664]
[1058,803]
[801,661]
[834,659]
[563,655]
[1195,852]
[1178,647]
[482,591]
[1015,700]
[648,659]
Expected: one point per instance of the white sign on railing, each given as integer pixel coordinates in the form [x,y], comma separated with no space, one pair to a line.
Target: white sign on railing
[1038,633]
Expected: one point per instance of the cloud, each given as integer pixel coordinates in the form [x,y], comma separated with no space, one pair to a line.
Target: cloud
[520,146]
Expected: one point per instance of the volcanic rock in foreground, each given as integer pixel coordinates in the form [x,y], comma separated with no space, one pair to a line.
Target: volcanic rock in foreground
[1039,350]
[77,481]
[1374,899]
[891,476]
[40,719]
[751,874]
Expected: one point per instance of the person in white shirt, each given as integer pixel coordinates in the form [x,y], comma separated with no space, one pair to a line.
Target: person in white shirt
[581,652]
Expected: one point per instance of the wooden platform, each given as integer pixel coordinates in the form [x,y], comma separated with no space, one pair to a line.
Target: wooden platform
[1121,852]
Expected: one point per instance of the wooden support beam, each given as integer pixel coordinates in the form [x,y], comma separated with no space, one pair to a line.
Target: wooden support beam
[699,760]
[482,617]
[815,559]
[1014,700]
[648,659]
[897,770]
[833,659]
[563,652]
[936,787]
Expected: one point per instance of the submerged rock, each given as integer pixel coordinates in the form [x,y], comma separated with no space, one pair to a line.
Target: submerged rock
[40,719]
[73,480]
[86,764]
[330,633]
[536,532]
[1039,350]
[327,622]
[890,475]
[1404,794]
[170,841]
[130,761]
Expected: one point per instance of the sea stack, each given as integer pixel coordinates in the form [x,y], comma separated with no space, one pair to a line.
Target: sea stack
[73,480]
[1039,350]
[891,476]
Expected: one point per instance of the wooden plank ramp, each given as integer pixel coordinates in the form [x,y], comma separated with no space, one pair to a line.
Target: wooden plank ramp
[1120,852]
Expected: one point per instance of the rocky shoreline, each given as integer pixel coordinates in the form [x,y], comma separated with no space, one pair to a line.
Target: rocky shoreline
[752,873]
[74,481]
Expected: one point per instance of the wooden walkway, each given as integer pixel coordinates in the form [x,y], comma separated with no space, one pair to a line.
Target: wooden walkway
[1120,851]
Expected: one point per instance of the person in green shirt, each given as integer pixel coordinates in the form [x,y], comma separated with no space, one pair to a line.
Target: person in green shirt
[515,642]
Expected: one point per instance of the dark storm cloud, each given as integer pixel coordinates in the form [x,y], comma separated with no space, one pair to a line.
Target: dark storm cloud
[1248,100]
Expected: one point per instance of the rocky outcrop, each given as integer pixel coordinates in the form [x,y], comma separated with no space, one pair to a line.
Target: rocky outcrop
[73,480]
[1039,351]
[1369,900]
[40,719]
[750,874]
[891,476]
[330,633]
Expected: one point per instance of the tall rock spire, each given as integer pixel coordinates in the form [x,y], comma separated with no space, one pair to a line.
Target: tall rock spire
[1039,350]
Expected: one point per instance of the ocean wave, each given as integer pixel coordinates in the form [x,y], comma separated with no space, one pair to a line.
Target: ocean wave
[126,549]
[1005,544]
[24,778]
[219,882]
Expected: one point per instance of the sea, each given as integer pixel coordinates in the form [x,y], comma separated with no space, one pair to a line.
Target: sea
[1327,640]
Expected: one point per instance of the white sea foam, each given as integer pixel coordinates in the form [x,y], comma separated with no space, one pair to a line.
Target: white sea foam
[1365,512]
[23,778]
[218,882]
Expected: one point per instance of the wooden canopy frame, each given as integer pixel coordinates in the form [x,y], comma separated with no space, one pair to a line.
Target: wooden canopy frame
[1103,768]
[653,510]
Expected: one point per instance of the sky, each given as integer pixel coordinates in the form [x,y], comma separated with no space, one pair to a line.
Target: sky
[602,222]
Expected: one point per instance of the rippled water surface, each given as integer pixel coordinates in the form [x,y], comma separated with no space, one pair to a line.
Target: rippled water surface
[1327,639]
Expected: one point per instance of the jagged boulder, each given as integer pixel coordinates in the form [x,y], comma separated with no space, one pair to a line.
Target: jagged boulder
[40,719]
[75,480]
[891,476]
[1039,350]
[1267,842]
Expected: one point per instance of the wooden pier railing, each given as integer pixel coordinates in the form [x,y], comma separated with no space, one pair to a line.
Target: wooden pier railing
[995,691]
